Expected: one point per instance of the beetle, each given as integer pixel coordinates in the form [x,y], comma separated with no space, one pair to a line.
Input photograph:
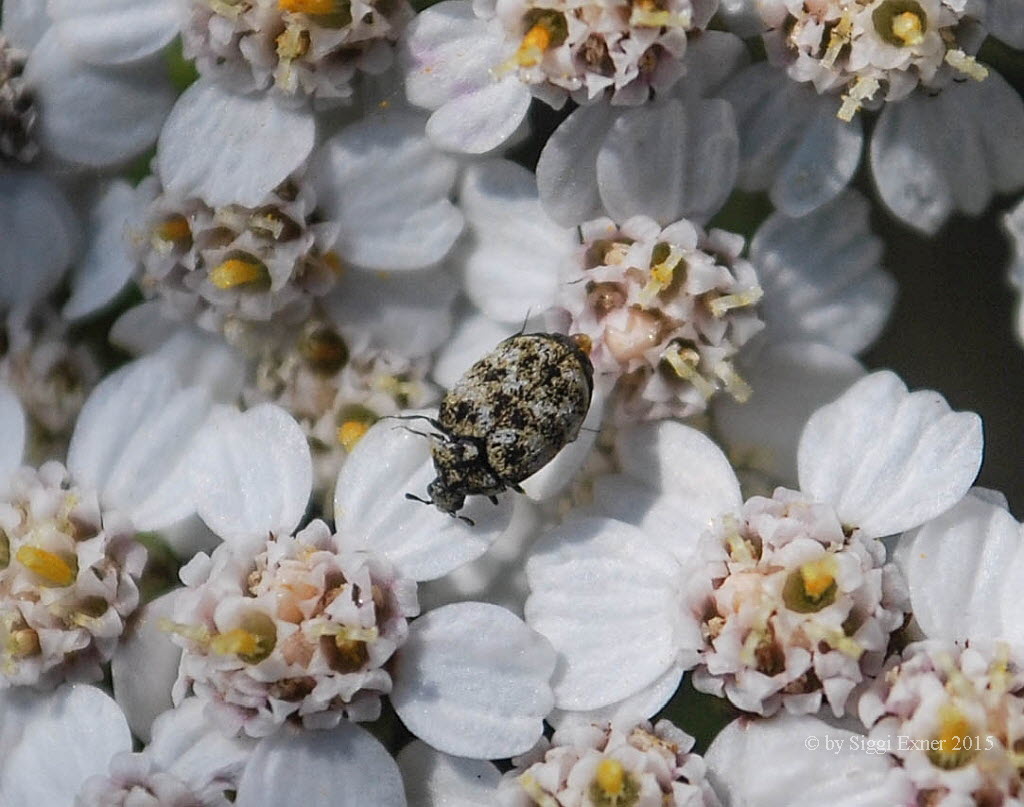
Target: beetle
[508,416]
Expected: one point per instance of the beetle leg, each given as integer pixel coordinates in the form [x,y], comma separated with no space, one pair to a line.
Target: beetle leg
[432,421]
[494,499]
[517,489]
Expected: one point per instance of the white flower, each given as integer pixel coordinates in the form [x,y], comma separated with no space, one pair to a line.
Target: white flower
[953,716]
[53,103]
[930,154]
[780,761]
[75,748]
[640,590]
[668,310]
[585,764]
[468,678]
[873,49]
[476,65]
[597,764]
[70,561]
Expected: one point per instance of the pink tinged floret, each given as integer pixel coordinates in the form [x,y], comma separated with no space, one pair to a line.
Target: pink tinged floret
[68,579]
[300,633]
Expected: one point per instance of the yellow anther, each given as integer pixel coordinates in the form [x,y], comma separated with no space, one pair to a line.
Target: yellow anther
[308,6]
[236,272]
[967,65]
[173,229]
[662,274]
[611,777]
[738,388]
[907,28]
[51,567]
[531,49]
[351,432]
[646,14]
[684,363]
[237,642]
[720,305]
[863,90]
[840,36]
[817,576]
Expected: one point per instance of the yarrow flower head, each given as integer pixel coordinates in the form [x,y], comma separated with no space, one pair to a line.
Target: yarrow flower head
[628,47]
[954,718]
[302,632]
[68,579]
[230,266]
[17,107]
[310,628]
[337,389]
[297,48]
[605,765]
[874,49]
[783,602]
[69,559]
[800,608]
[665,311]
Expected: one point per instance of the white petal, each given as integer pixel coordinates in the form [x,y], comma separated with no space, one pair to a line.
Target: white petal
[472,680]
[642,706]
[447,49]
[186,744]
[1005,21]
[345,767]
[820,165]
[474,336]
[142,328]
[659,492]
[821,276]
[251,474]
[957,568]
[886,459]
[231,149]
[12,432]
[601,591]
[96,116]
[567,169]
[145,666]
[785,761]
[482,120]
[711,59]
[933,155]
[788,382]
[38,237]
[107,265]
[131,440]
[515,259]
[372,512]
[388,187]
[73,739]
[640,171]
[449,56]
[24,22]
[409,313]
[114,31]
[433,779]
[790,139]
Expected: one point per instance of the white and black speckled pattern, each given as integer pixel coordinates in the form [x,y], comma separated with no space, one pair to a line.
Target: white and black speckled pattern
[509,415]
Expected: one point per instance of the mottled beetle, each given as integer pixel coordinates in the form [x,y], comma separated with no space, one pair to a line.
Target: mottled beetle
[508,416]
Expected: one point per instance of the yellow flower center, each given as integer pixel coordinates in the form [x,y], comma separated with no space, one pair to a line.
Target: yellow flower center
[252,642]
[907,28]
[307,6]
[811,587]
[953,745]
[611,777]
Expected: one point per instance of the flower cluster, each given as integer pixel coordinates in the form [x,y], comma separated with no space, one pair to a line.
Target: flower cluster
[480,402]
